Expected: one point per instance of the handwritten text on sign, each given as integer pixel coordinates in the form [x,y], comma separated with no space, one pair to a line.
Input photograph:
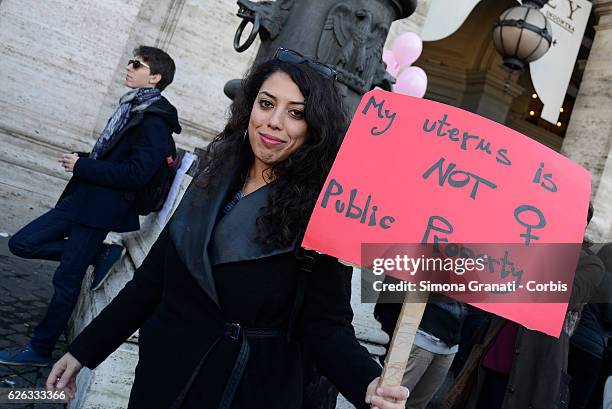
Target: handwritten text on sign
[413,170]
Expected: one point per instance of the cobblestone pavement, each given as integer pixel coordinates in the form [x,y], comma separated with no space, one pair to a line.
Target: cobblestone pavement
[25,289]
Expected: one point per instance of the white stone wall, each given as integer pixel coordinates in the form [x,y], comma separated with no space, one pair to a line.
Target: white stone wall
[413,23]
[56,64]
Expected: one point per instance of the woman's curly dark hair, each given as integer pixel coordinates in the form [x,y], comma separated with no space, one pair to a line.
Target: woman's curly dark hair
[298,179]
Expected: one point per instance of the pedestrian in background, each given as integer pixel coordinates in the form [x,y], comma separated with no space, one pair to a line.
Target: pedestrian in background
[434,348]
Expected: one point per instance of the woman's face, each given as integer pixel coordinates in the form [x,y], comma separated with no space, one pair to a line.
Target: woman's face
[277,126]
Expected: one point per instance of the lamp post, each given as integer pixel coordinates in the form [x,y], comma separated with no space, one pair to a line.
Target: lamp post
[347,34]
[522,34]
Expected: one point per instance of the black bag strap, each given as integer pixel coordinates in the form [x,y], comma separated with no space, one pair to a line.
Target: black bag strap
[306,260]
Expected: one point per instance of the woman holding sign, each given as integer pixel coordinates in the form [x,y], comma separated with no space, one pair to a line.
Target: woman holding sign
[231,313]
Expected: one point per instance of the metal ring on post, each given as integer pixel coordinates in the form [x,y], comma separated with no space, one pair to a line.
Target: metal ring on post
[249,41]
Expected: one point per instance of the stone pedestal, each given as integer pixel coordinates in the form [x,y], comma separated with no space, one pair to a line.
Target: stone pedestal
[588,140]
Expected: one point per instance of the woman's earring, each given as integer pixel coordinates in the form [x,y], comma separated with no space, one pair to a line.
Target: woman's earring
[244,137]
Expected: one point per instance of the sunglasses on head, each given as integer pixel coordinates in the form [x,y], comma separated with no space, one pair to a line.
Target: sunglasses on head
[137,64]
[285,55]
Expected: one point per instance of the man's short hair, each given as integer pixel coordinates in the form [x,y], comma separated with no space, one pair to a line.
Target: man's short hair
[160,63]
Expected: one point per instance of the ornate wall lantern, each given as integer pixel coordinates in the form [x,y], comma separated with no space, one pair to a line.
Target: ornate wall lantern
[522,34]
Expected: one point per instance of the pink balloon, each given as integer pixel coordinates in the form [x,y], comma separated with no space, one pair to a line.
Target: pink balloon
[412,81]
[392,65]
[407,47]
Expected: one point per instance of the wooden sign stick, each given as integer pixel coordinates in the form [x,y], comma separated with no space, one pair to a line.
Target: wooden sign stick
[403,337]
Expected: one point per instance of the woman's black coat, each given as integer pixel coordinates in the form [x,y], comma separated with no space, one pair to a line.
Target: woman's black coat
[204,272]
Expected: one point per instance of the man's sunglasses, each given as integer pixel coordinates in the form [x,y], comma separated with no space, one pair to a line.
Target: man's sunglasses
[285,55]
[137,64]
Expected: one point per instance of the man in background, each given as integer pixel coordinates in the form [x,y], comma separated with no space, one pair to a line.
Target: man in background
[99,198]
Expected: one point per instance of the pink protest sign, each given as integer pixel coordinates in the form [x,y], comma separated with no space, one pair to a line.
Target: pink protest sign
[417,171]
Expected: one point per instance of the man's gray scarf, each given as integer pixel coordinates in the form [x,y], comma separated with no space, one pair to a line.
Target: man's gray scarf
[136,100]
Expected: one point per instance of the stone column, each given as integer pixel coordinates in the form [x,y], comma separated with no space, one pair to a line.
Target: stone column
[588,140]
[490,93]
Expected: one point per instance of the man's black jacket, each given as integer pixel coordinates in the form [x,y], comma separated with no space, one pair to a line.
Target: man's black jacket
[102,190]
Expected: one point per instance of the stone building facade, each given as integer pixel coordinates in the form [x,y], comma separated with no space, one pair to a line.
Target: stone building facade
[588,140]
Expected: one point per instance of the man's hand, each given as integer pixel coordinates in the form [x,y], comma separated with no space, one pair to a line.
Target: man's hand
[63,376]
[386,397]
[68,160]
